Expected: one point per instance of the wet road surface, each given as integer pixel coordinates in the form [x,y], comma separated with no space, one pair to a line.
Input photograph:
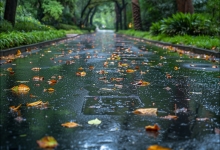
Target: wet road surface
[182,84]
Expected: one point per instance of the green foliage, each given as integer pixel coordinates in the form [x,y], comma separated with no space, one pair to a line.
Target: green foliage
[181,24]
[28,24]
[52,10]
[66,27]
[207,42]
[5,26]
[14,39]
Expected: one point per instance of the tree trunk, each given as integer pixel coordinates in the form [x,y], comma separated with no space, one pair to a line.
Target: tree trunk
[185,6]
[91,17]
[87,17]
[136,12]
[116,16]
[125,16]
[82,13]
[10,11]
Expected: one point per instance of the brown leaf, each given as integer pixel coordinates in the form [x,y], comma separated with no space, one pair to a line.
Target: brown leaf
[146,111]
[152,128]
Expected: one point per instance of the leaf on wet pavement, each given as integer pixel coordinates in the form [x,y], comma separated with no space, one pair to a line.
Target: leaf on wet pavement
[130,70]
[52,81]
[202,119]
[157,147]
[146,111]
[36,69]
[95,121]
[176,68]
[50,90]
[13,108]
[38,78]
[82,74]
[21,87]
[37,103]
[70,124]
[155,127]
[170,117]
[47,142]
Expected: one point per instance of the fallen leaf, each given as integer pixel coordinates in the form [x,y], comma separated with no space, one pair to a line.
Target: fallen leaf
[152,128]
[91,67]
[18,53]
[47,142]
[13,108]
[157,147]
[21,87]
[130,70]
[146,111]
[50,90]
[202,119]
[170,117]
[80,68]
[36,69]
[34,103]
[176,68]
[52,81]
[38,78]
[95,121]
[70,124]
[9,69]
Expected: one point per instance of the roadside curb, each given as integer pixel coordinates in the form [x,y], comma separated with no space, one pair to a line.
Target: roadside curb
[24,48]
[182,47]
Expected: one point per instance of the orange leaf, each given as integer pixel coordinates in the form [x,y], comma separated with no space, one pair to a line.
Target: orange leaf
[130,70]
[157,147]
[152,128]
[70,124]
[47,142]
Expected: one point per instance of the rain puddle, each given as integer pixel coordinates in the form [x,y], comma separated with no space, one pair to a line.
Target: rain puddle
[118,83]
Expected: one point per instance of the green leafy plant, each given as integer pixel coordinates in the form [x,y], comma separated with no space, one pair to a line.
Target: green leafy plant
[182,24]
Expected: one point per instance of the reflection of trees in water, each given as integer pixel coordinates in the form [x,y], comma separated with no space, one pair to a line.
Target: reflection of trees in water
[179,129]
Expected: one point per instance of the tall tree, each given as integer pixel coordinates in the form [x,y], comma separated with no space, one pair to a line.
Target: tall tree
[136,12]
[10,11]
[185,6]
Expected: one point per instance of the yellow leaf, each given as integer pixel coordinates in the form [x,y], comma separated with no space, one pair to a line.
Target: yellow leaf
[95,121]
[47,142]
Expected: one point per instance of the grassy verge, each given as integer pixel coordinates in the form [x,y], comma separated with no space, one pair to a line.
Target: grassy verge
[206,42]
[13,39]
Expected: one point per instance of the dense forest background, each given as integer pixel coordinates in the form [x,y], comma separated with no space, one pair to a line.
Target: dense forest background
[103,13]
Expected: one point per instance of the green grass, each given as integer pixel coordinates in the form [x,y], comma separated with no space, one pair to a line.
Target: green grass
[206,42]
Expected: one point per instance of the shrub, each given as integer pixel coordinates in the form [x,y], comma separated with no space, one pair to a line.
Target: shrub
[28,24]
[14,39]
[66,27]
[5,26]
[181,24]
